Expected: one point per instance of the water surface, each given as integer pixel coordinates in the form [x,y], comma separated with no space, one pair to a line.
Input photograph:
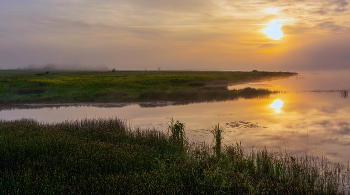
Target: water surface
[314,118]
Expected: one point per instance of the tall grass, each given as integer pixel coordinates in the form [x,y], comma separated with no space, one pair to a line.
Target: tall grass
[263,172]
[177,135]
[105,156]
[217,133]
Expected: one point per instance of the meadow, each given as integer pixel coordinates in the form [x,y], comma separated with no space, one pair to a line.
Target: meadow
[105,156]
[39,86]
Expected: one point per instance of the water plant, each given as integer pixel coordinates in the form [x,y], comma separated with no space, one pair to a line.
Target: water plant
[177,134]
[217,133]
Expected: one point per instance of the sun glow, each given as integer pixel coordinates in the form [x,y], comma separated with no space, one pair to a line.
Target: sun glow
[277,104]
[273,30]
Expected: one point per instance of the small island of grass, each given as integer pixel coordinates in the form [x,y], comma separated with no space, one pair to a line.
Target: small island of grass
[35,86]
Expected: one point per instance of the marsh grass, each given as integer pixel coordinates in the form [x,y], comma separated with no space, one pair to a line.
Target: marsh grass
[105,156]
[262,172]
[207,94]
[197,84]
[176,132]
[217,133]
[88,86]
[37,90]
[177,136]
[110,96]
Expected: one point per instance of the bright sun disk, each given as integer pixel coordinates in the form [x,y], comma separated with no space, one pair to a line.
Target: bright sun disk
[273,30]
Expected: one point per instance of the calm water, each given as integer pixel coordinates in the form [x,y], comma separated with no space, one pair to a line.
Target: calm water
[314,118]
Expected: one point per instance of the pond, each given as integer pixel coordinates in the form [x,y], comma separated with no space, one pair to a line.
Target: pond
[312,117]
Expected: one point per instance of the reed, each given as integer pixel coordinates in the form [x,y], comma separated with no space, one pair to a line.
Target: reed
[105,156]
[217,133]
[177,135]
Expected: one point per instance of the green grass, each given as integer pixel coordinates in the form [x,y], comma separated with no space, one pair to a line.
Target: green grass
[177,136]
[104,156]
[217,133]
[20,86]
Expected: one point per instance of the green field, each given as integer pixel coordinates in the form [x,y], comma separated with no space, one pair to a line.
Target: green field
[34,86]
[105,157]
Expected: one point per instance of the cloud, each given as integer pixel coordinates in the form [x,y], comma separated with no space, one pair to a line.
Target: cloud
[177,34]
[326,54]
[341,5]
[331,25]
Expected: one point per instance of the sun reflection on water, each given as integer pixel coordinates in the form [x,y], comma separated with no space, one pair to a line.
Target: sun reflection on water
[277,105]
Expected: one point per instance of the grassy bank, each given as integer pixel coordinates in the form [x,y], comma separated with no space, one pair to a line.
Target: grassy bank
[122,86]
[105,156]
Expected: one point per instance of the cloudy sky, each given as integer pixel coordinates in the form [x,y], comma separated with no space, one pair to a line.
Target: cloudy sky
[176,34]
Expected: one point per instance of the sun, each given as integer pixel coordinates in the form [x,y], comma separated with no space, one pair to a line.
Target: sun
[273,30]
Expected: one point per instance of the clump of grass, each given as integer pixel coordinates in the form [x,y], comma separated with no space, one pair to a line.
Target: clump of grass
[177,134]
[217,133]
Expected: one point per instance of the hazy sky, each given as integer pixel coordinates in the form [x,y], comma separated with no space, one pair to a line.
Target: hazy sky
[176,34]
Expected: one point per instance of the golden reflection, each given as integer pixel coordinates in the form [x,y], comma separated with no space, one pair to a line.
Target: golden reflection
[277,104]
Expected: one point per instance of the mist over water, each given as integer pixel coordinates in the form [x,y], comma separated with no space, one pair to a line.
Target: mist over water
[314,118]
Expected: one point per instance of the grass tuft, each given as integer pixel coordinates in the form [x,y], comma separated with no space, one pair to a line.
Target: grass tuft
[217,133]
[177,135]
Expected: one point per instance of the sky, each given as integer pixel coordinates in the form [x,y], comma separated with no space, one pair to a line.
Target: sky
[176,34]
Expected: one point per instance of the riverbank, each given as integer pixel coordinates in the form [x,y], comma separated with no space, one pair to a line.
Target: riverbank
[106,157]
[17,87]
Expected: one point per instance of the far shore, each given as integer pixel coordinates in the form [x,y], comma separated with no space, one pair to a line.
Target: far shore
[93,87]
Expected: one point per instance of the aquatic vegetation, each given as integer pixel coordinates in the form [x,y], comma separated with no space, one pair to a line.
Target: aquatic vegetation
[105,156]
[205,95]
[176,132]
[177,136]
[217,133]
[263,172]
[343,93]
